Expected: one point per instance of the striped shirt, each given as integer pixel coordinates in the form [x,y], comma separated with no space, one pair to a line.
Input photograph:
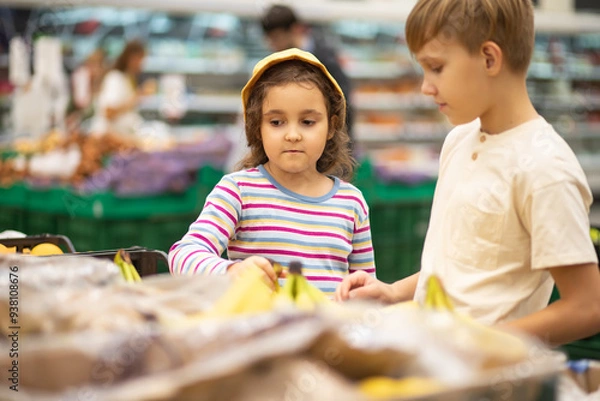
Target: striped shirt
[248,213]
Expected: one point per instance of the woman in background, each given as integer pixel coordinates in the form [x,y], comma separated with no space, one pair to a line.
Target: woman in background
[116,110]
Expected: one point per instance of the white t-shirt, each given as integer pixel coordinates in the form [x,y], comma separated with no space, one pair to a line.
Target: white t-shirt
[506,208]
[116,90]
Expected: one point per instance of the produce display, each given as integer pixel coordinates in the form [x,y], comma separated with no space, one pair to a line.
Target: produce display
[88,329]
[125,166]
[43,249]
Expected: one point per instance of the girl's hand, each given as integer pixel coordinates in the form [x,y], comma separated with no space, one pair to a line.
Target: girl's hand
[362,285]
[263,263]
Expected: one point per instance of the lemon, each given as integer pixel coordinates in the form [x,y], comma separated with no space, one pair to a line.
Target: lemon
[4,249]
[45,249]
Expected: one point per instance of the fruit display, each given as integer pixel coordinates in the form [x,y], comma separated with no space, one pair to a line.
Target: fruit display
[125,166]
[220,338]
[42,249]
[250,294]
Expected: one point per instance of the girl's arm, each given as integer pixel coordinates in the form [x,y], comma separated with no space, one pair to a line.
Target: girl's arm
[575,315]
[200,249]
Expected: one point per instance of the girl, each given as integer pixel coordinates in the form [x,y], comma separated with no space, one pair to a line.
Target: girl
[290,201]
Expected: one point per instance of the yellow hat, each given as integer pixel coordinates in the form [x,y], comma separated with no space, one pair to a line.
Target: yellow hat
[276,58]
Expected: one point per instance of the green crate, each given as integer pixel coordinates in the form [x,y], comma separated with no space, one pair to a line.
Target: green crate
[15,195]
[41,223]
[398,232]
[206,180]
[12,218]
[580,350]
[50,200]
[89,234]
[109,206]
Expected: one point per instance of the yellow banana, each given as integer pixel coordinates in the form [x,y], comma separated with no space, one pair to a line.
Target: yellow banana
[303,299]
[379,387]
[284,296]
[128,270]
[248,294]
[436,297]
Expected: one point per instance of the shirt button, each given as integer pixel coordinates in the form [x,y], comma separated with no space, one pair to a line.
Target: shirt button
[474,156]
[482,138]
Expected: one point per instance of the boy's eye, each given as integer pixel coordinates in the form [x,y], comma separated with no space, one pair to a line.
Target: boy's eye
[436,69]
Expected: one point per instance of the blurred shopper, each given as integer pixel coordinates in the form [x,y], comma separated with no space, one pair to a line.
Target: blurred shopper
[85,86]
[116,109]
[283,30]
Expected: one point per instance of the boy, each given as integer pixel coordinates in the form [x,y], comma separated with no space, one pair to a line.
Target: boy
[510,211]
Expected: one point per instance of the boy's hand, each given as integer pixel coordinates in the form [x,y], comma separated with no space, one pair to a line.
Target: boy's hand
[362,285]
[259,261]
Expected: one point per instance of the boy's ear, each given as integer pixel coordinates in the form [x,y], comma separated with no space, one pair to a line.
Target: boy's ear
[492,56]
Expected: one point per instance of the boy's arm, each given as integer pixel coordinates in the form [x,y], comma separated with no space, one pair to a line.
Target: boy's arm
[575,315]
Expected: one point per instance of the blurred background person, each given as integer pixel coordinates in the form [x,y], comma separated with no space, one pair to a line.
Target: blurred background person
[85,86]
[116,109]
[284,30]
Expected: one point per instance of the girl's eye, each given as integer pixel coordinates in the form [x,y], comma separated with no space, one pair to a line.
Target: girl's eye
[276,123]
[308,122]
[437,70]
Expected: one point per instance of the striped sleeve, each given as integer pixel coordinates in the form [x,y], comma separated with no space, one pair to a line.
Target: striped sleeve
[362,256]
[198,252]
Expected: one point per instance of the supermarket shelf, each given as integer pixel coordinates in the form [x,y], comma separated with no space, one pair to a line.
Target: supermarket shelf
[214,104]
[410,132]
[392,102]
[377,70]
[188,65]
[575,101]
[545,71]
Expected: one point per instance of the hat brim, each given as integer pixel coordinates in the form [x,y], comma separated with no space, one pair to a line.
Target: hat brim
[278,57]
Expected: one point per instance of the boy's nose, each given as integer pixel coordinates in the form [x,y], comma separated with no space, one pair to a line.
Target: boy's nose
[427,88]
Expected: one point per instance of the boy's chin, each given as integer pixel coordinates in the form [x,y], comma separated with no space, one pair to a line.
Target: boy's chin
[456,120]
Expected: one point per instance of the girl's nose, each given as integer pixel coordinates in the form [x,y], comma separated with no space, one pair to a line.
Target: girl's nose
[293,134]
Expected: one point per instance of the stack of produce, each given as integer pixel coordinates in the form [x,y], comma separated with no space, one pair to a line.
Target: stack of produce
[212,338]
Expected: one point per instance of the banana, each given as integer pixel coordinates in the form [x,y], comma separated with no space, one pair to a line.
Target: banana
[128,270]
[303,299]
[380,387]
[436,297]
[248,294]
[305,296]
[284,296]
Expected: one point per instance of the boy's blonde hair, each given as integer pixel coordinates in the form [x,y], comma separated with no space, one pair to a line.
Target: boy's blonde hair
[508,23]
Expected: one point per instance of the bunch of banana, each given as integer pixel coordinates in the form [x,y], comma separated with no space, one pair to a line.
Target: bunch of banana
[298,291]
[247,294]
[436,297]
[495,347]
[128,270]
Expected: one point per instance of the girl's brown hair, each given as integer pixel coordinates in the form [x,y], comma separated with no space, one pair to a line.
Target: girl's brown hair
[336,158]
[131,48]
